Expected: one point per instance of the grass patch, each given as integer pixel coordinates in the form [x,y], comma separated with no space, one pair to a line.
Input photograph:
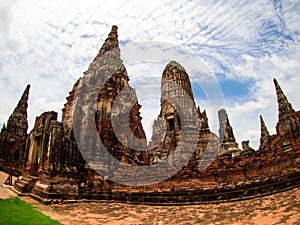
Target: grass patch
[16,211]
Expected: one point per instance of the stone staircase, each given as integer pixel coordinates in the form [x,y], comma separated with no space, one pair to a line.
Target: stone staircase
[24,184]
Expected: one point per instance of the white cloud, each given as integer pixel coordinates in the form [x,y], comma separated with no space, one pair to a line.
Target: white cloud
[50,43]
[7,40]
[285,68]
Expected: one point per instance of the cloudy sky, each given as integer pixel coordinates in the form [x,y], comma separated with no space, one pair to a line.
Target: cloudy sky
[244,45]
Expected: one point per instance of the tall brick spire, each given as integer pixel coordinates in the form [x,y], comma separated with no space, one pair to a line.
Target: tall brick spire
[106,63]
[284,107]
[13,136]
[17,122]
[264,134]
[111,41]
[108,60]
[175,77]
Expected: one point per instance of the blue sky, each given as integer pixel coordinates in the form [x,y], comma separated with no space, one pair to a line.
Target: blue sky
[244,44]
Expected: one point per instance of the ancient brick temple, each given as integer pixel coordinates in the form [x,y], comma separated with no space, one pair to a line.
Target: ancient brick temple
[100,147]
[14,136]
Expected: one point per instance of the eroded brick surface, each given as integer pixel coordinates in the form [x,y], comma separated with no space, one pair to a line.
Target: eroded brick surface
[281,208]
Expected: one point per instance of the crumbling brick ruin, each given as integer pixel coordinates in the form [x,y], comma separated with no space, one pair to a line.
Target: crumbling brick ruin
[58,161]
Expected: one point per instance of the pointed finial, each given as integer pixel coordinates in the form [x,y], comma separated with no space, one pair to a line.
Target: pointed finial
[284,107]
[205,120]
[204,113]
[264,129]
[111,44]
[22,104]
[264,134]
[225,131]
[111,41]
[26,92]
[17,121]
[3,127]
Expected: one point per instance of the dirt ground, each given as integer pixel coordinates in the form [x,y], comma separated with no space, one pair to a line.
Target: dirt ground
[5,192]
[281,208]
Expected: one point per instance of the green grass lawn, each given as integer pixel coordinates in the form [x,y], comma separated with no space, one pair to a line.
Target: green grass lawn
[16,211]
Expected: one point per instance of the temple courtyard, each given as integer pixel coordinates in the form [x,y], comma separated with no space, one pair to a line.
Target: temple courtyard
[281,208]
